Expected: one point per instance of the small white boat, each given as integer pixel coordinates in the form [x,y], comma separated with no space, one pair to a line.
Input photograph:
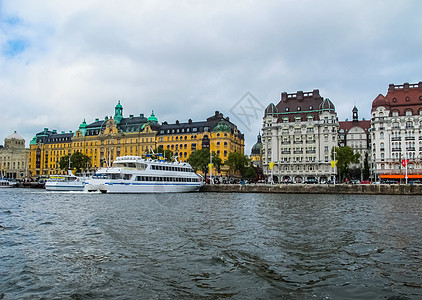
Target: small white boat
[65,183]
[133,174]
[7,183]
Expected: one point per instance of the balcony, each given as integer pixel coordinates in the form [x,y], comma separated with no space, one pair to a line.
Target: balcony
[409,138]
[310,151]
[396,149]
[310,141]
[297,152]
[410,149]
[298,142]
[285,152]
[396,138]
[285,142]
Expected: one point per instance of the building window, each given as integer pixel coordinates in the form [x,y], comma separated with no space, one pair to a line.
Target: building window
[408,112]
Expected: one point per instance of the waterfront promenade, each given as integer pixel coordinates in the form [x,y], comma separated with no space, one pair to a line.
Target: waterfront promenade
[366,189]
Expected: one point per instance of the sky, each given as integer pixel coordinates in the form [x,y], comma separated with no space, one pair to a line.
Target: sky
[65,61]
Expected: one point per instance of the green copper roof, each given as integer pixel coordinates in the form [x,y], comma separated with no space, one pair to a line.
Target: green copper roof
[33,141]
[118,113]
[83,125]
[221,127]
[152,118]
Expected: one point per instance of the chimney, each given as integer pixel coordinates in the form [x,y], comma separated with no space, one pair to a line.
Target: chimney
[391,87]
[177,122]
[283,96]
[315,93]
[299,95]
[406,86]
[190,121]
[420,86]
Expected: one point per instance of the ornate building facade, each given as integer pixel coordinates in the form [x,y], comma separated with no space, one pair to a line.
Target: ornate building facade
[14,157]
[256,152]
[216,133]
[104,140]
[298,135]
[396,128]
[356,135]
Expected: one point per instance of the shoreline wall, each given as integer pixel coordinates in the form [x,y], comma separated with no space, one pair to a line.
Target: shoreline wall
[368,189]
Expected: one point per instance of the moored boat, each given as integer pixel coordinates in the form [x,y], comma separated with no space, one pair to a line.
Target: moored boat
[7,183]
[133,174]
[68,182]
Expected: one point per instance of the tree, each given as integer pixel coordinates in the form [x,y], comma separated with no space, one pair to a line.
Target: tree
[345,156]
[238,162]
[78,161]
[200,159]
[366,172]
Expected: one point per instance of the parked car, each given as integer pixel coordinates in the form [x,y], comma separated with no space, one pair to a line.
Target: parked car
[365,182]
[389,181]
[310,181]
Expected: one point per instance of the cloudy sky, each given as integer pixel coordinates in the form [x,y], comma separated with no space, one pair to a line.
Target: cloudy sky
[65,61]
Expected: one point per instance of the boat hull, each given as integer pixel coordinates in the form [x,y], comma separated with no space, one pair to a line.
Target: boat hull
[136,187]
[55,186]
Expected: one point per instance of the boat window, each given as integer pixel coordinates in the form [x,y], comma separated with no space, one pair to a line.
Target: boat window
[141,166]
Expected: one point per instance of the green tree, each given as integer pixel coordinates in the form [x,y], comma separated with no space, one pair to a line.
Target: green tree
[250,173]
[366,172]
[238,162]
[345,156]
[78,161]
[200,159]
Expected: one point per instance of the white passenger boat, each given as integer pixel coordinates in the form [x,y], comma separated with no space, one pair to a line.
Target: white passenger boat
[65,183]
[133,174]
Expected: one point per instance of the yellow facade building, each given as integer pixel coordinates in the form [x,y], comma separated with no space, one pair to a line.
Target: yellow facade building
[104,140]
[216,133]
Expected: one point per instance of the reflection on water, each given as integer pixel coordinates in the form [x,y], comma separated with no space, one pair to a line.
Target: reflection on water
[200,245]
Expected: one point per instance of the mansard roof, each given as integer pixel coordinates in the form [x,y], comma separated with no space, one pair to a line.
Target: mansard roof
[300,104]
[401,98]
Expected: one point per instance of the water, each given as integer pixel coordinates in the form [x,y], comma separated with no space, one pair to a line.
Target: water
[209,246]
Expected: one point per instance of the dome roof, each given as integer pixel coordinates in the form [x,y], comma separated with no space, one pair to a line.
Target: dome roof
[256,149]
[271,109]
[152,118]
[15,136]
[327,105]
[118,105]
[380,100]
[221,127]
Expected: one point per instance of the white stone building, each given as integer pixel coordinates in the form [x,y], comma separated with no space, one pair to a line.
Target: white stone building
[14,157]
[396,127]
[298,135]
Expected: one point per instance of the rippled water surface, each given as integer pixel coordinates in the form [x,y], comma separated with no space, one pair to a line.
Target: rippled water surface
[209,246]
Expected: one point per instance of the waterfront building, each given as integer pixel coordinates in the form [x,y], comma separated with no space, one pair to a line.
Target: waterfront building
[356,135]
[396,128]
[298,136]
[217,133]
[13,157]
[256,152]
[102,140]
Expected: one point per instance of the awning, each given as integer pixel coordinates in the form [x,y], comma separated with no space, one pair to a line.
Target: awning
[410,176]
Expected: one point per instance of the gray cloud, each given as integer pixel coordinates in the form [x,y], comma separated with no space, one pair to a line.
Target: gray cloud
[186,59]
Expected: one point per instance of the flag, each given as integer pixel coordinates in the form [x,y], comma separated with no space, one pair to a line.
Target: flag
[272,165]
[210,166]
[404,162]
[333,163]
